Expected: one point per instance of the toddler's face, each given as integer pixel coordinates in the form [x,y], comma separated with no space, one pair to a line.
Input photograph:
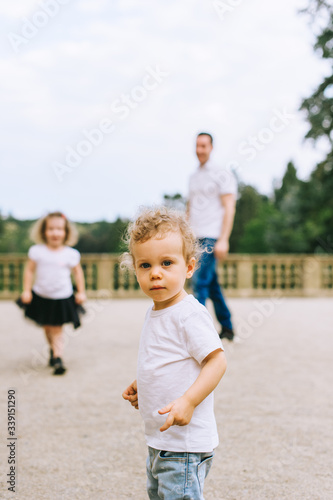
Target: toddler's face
[55,231]
[161,269]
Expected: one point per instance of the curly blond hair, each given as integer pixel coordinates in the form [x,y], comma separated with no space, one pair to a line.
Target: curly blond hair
[156,222]
[37,233]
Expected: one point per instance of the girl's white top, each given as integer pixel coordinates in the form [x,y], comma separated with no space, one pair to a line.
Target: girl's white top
[173,344]
[53,271]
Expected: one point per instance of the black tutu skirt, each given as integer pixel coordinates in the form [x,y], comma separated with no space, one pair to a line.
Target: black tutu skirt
[53,312]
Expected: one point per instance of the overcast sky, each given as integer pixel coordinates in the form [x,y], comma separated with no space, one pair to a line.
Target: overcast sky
[101,101]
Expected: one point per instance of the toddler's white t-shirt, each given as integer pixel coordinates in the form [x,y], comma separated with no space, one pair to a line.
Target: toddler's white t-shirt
[53,271]
[173,344]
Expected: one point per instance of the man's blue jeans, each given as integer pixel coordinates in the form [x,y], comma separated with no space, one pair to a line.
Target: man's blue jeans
[205,283]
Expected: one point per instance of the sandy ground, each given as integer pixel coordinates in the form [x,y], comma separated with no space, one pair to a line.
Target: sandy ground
[78,439]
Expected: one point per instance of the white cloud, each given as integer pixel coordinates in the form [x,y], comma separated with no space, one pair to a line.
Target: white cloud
[95,6]
[18,9]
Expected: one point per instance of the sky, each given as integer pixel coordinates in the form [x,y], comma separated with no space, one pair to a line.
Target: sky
[101,101]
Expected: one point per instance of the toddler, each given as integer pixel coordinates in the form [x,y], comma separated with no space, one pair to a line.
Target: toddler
[180,360]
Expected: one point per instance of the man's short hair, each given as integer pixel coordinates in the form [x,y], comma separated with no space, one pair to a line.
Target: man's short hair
[206,133]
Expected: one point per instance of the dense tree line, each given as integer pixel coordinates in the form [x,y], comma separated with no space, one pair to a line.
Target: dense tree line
[96,237]
[297,218]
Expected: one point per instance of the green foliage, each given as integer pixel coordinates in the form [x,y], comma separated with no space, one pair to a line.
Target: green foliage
[176,201]
[250,215]
[290,184]
[97,237]
[318,107]
[316,195]
[2,225]
[317,202]
[297,218]
[254,238]
[14,235]
[101,237]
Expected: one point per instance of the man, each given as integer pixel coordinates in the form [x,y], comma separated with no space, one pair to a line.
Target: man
[211,211]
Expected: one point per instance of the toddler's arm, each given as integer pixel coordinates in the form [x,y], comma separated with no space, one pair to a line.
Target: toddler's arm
[28,278]
[181,410]
[80,295]
[131,394]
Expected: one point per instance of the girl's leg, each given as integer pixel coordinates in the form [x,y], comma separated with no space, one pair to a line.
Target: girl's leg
[47,334]
[57,344]
[49,341]
[55,338]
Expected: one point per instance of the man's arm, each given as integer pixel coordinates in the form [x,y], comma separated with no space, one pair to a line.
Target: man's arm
[221,248]
[181,410]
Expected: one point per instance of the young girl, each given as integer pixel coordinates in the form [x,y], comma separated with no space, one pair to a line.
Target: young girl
[50,301]
[180,362]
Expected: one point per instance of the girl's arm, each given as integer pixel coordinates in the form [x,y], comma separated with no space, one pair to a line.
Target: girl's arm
[181,410]
[28,278]
[80,296]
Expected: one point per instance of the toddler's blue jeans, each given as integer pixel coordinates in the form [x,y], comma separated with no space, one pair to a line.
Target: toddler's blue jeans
[177,475]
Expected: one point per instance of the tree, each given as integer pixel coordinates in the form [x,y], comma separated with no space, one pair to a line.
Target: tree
[102,237]
[250,207]
[290,182]
[2,226]
[176,201]
[318,107]
[317,204]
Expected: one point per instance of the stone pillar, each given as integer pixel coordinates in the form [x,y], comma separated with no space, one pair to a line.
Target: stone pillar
[312,276]
[245,277]
[105,273]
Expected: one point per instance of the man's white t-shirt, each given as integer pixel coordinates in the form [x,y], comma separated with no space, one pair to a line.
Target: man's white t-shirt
[173,344]
[206,186]
[53,271]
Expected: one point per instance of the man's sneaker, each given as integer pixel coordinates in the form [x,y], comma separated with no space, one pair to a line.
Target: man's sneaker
[59,368]
[226,333]
[51,362]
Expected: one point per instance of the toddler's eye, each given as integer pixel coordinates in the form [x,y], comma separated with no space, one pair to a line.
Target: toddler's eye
[167,263]
[145,265]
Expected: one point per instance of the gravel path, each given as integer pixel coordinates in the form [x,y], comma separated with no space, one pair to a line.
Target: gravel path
[78,439]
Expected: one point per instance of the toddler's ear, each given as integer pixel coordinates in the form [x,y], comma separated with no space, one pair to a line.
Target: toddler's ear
[190,267]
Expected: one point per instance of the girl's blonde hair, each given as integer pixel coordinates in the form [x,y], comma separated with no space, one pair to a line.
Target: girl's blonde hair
[156,222]
[37,233]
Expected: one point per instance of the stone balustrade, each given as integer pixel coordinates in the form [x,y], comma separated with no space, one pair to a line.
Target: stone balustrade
[241,276]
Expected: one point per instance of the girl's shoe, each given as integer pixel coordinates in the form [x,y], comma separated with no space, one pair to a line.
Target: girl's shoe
[59,368]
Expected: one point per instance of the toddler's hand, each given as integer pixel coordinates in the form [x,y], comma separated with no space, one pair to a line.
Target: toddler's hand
[131,394]
[80,298]
[180,413]
[26,297]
